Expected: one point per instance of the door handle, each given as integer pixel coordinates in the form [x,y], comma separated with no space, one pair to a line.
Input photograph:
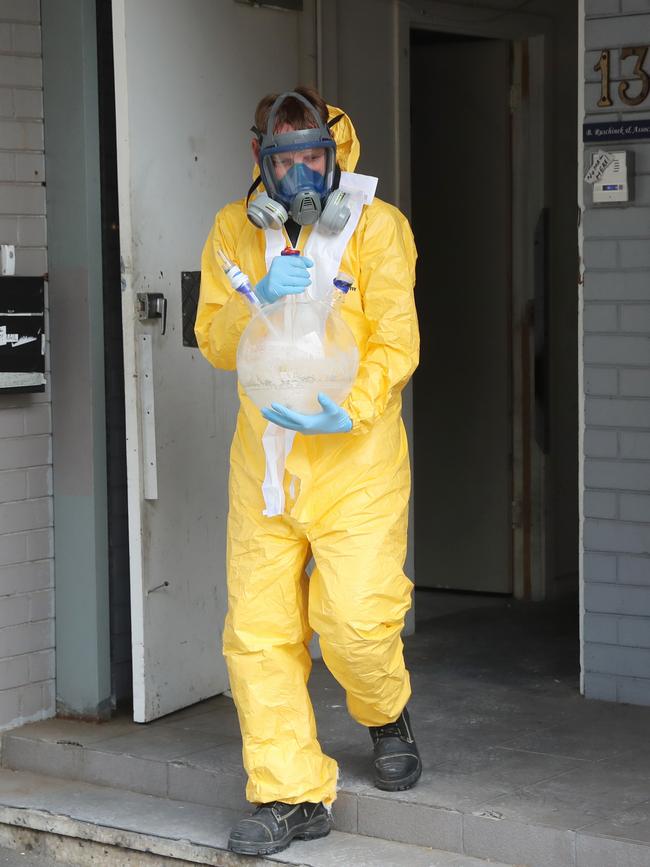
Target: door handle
[152,305]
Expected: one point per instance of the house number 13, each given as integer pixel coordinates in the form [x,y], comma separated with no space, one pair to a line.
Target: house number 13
[641,75]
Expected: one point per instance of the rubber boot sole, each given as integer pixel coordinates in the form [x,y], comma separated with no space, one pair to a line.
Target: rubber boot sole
[320,828]
[400,785]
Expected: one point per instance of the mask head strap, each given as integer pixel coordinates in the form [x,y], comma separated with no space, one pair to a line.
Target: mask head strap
[253,187]
[268,138]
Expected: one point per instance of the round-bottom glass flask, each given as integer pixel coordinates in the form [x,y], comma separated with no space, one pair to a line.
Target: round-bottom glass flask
[293,349]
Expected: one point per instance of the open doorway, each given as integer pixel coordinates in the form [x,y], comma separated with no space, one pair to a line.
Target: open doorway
[495,503]
[461,170]
[462,153]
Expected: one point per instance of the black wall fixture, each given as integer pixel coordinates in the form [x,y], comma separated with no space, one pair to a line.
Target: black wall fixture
[22,334]
[190,285]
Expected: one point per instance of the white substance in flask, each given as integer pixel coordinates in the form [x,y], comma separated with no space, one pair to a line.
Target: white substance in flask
[293,349]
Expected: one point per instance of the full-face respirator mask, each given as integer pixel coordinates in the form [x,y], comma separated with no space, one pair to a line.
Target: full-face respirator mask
[298,170]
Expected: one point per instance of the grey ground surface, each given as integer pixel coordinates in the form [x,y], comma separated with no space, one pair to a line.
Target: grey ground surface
[516,761]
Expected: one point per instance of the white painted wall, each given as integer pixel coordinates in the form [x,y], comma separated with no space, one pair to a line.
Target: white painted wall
[26,565]
[615,386]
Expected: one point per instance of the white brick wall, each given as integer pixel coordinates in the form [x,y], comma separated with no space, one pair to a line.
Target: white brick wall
[617,391]
[26,565]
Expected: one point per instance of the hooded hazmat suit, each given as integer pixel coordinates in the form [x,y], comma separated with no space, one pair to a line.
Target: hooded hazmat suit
[346,504]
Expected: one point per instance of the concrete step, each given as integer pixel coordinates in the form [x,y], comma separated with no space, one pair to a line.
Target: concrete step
[84,824]
[447,812]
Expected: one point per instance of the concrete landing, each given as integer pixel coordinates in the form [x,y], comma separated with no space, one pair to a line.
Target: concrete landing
[518,766]
[86,825]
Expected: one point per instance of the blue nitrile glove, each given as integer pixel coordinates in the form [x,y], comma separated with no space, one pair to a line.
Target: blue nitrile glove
[333,419]
[288,275]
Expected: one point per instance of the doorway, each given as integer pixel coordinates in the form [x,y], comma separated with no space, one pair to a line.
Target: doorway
[461,157]
[462,398]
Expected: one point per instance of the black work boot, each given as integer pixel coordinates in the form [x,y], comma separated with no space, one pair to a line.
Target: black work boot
[397,761]
[273,826]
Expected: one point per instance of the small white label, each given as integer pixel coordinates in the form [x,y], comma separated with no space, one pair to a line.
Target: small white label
[14,339]
[7,260]
[599,163]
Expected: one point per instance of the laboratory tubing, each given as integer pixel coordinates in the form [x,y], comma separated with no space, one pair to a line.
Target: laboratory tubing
[238,280]
[343,283]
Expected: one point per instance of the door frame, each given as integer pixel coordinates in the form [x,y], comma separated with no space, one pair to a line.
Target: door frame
[530,36]
[76,350]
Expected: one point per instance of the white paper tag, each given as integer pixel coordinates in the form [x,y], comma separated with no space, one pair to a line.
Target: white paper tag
[353,183]
[3,335]
[599,162]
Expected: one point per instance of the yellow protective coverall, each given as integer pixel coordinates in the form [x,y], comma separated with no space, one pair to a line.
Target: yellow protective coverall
[348,507]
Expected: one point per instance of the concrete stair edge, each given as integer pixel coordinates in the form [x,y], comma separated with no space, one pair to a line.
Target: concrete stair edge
[54,826]
[62,822]
[365,813]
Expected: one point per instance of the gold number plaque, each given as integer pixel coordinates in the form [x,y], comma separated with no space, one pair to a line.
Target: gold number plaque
[639,72]
[605,100]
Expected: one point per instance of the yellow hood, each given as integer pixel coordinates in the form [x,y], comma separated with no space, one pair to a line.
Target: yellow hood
[347,143]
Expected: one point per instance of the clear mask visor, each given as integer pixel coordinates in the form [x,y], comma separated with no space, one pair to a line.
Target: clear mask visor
[286,171]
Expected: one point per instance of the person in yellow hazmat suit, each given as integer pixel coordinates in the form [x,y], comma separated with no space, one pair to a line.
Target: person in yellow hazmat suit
[333,485]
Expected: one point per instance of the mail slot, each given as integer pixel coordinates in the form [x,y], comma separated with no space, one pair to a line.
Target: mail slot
[22,334]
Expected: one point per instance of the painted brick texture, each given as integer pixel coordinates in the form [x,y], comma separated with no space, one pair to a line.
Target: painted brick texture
[616,346]
[26,565]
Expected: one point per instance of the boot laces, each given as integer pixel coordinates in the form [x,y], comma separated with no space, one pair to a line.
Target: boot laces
[273,805]
[389,730]
[397,729]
